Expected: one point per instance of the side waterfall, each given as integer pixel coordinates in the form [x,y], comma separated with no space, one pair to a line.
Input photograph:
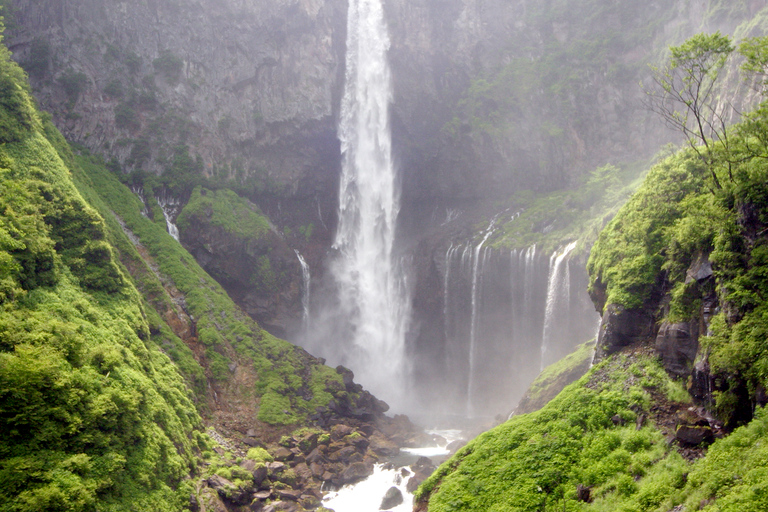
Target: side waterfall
[558,297]
[370,281]
[169,205]
[505,314]
[306,279]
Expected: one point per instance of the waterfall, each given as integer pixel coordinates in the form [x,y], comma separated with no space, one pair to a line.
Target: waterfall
[170,207]
[558,295]
[369,277]
[306,282]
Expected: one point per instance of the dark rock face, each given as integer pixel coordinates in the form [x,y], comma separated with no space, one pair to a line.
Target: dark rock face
[677,344]
[621,327]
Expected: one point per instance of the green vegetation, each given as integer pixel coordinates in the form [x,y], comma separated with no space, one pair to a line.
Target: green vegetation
[555,377]
[91,409]
[226,210]
[535,461]
[578,213]
[169,65]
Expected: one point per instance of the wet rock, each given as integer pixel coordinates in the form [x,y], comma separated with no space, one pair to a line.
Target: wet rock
[677,344]
[422,469]
[382,446]
[392,498]
[355,472]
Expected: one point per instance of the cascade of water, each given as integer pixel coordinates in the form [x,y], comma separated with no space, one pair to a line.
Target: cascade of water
[169,205]
[370,280]
[558,289]
[306,283]
[476,267]
[446,291]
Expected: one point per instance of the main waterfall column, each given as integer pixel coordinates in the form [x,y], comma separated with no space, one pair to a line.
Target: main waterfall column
[371,289]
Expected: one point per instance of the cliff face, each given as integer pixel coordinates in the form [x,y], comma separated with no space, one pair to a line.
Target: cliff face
[250,87]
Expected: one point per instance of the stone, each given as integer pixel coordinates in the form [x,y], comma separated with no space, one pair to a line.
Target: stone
[283,454]
[303,471]
[259,474]
[288,494]
[248,464]
[340,431]
[694,435]
[316,457]
[194,505]
[677,345]
[382,446]
[355,472]
[249,441]
[262,495]
[392,498]
[617,420]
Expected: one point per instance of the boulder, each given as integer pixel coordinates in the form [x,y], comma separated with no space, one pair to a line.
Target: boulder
[694,435]
[288,494]
[392,498]
[355,472]
[283,454]
[339,432]
[677,345]
[380,445]
[259,474]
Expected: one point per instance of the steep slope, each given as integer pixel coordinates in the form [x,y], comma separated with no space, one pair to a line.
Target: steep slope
[91,409]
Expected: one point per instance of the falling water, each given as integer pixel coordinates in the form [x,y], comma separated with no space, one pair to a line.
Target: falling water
[474,318]
[306,283]
[368,275]
[558,293]
[169,205]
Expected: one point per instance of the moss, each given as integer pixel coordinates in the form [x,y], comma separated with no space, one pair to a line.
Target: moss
[535,461]
[226,210]
[259,455]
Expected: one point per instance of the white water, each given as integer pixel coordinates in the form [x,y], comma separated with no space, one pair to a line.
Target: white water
[473,325]
[558,293]
[366,496]
[371,283]
[305,291]
[169,205]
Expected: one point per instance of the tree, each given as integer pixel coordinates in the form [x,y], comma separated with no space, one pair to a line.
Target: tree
[685,94]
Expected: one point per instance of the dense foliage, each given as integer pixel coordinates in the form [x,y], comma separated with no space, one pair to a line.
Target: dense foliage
[91,410]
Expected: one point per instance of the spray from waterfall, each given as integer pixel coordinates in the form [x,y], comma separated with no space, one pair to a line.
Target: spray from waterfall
[558,295]
[369,277]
